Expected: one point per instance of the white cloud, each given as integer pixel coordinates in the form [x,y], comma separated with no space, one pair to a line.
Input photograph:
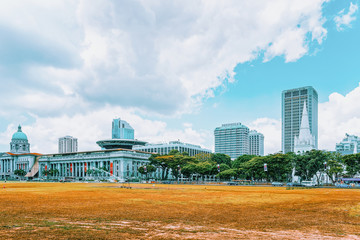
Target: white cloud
[162,58]
[339,115]
[90,127]
[73,66]
[271,128]
[343,19]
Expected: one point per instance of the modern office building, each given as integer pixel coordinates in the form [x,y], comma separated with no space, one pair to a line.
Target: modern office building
[122,137]
[122,129]
[165,148]
[349,145]
[232,139]
[256,143]
[68,144]
[293,101]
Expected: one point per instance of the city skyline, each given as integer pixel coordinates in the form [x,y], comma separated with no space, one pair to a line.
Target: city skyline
[175,70]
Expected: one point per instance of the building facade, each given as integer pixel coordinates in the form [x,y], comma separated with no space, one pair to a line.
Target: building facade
[349,145]
[120,164]
[68,144]
[122,129]
[305,141]
[232,139]
[256,143]
[165,148]
[293,101]
[19,156]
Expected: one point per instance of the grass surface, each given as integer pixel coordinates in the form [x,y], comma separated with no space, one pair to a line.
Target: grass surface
[106,211]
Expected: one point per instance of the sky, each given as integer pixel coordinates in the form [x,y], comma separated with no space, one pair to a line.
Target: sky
[174,69]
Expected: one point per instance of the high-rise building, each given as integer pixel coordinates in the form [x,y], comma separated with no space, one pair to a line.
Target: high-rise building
[256,143]
[293,101]
[349,145]
[68,144]
[122,129]
[232,139]
[165,148]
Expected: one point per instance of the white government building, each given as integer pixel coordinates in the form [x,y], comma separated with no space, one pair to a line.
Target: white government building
[117,161]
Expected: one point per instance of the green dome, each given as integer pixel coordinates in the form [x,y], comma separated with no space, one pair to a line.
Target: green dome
[19,135]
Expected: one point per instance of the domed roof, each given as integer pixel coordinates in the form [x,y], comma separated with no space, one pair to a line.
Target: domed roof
[19,135]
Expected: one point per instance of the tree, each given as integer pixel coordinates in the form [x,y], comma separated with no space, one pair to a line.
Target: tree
[203,157]
[177,162]
[241,159]
[189,169]
[311,163]
[352,163]
[334,167]
[254,169]
[279,167]
[204,168]
[20,172]
[227,174]
[221,158]
[149,169]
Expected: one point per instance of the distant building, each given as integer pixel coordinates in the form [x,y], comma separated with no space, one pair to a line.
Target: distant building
[68,144]
[19,142]
[19,156]
[122,129]
[305,141]
[165,148]
[256,143]
[122,137]
[232,139]
[349,145]
[293,101]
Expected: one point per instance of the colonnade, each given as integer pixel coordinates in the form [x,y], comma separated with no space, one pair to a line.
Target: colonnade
[93,168]
[7,166]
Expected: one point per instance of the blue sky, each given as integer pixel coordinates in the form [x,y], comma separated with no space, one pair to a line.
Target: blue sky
[174,70]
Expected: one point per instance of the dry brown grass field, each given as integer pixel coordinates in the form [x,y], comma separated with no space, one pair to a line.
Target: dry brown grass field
[106,211]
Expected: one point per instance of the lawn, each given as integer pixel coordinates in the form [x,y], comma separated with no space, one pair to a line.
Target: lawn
[146,211]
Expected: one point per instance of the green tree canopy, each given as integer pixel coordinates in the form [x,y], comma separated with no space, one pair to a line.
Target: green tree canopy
[352,163]
[221,158]
[241,159]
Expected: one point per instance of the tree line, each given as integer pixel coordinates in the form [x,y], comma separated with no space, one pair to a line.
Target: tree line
[279,166]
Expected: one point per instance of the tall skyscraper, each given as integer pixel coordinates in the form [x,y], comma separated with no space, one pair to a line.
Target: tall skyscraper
[122,129]
[293,101]
[68,144]
[256,143]
[232,139]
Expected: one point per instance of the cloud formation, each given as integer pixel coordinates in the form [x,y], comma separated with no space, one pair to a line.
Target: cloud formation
[343,19]
[158,57]
[69,63]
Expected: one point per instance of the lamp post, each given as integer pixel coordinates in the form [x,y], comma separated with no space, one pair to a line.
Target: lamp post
[325,171]
[266,170]
[179,172]
[218,168]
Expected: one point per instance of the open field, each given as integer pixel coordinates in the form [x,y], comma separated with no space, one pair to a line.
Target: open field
[105,211]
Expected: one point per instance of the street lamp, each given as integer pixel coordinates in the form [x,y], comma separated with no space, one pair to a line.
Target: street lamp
[266,170]
[179,172]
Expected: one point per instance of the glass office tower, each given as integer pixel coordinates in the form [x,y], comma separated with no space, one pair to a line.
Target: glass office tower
[292,108]
[122,129]
[232,139]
